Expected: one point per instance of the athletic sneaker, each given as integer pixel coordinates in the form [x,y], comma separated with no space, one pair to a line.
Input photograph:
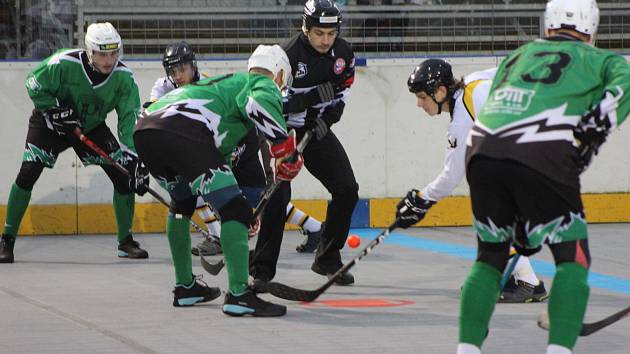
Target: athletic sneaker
[250,304]
[198,291]
[208,247]
[7,243]
[518,291]
[309,245]
[130,248]
[343,279]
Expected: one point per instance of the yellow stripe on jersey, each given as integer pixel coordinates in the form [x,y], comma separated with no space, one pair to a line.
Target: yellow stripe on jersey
[468,98]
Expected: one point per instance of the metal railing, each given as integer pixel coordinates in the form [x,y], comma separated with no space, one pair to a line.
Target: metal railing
[373,30]
[233,28]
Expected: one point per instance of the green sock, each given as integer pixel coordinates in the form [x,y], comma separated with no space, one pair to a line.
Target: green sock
[567,304]
[123,209]
[480,294]
[236,253]
[16,207]
[178,233]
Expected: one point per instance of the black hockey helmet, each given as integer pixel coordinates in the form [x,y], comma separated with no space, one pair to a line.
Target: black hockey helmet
[430,75]
[177,54]
[321,13]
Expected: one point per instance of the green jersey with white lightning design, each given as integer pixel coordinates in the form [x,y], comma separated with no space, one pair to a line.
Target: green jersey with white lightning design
[67,79]
[225,107]
[536,99]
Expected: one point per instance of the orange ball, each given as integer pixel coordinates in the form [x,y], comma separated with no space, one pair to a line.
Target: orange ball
[354,241]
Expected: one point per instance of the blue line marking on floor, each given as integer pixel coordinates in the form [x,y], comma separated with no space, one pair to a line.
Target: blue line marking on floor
[597,280]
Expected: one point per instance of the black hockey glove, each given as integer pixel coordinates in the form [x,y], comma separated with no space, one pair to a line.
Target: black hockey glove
[63,119]
[412,208]
[315,124]
[325,92]
[593,129]
[138,174]
[147,104]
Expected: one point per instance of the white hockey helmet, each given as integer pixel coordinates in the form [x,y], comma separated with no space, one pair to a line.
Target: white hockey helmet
[578,15]
[102,37]
[272,58]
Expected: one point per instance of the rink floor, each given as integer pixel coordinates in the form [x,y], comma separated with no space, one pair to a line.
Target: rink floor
[71,294]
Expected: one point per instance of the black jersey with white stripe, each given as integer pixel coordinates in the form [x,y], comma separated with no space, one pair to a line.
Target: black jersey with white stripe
[311,68]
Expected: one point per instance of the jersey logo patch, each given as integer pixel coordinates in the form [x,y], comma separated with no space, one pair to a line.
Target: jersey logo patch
[301,70]
[509,100]
[340,65]
[33,84]
[452,142]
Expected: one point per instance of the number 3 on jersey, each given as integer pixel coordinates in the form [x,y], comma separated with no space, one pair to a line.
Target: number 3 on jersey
[551,72]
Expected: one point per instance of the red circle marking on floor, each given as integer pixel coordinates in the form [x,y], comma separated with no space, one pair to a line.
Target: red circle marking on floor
[358,303]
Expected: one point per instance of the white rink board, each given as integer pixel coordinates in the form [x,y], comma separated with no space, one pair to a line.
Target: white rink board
[392,144]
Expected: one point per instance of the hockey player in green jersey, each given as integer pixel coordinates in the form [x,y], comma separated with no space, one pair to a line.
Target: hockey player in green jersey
[76,88]
[551,106]
[187,138]
[181,69]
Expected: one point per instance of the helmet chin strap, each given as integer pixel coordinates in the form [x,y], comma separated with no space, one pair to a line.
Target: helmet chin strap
[439,104]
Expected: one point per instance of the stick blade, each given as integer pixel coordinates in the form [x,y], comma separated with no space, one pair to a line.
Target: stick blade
[590,328]
[212,268]
[289,293]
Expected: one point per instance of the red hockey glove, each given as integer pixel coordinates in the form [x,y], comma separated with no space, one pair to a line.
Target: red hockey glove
[288,160]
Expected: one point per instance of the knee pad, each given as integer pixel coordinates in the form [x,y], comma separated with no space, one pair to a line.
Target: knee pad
[494,254]
[237,209]
[572,251]
[185,207]
[28,175]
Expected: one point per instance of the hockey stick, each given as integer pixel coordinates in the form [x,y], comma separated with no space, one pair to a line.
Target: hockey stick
[588,328]
[289,293]
[215,268]
[89,143]
[508,271]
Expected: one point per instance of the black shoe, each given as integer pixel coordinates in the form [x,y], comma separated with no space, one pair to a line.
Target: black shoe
[524,292]
[130,248]
[259,286]
[207,248]
[343,279]
[250,304]
[7,243]
[310,243]
[194,293]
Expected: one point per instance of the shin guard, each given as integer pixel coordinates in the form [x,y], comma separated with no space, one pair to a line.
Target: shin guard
[178,233]
[123,209]
[567,304]
[479,296]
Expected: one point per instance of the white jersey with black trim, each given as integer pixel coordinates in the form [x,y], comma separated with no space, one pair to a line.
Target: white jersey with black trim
[468,102]
[161,87]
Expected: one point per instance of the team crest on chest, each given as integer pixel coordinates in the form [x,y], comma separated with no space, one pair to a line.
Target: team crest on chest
[340,65]
[301,70]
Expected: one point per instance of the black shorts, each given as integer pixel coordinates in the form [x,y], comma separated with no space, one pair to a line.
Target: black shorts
[506,194]
[187,168]
[43,145]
